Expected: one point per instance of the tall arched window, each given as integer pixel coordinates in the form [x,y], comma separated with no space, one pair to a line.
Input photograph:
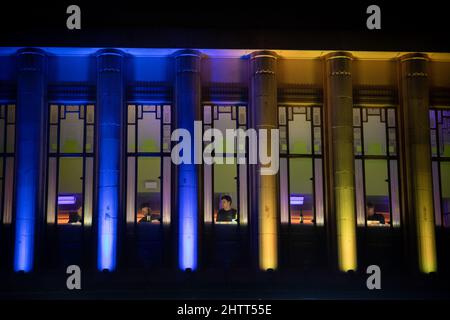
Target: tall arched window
[440,152]
[301,165]
[70,176]
[7,151]
[149,163]
[376,167]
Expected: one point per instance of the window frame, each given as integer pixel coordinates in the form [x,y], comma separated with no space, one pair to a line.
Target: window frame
[136,155]
[5,155]
[438,159]
[313,156]
[58,155]
[387,158]
[206,126]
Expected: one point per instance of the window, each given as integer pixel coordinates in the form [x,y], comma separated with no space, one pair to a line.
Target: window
[440,152]
[225,181]
[376,167]
[7,150]
[301,165]
[70,164]
[148,164]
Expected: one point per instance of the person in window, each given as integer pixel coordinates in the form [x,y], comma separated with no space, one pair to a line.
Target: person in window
[227,213]
[75,217]
[149,216]
[372,215]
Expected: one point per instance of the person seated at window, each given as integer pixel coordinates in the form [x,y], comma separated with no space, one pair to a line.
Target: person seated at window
[372,215]
[149,216]
[227,213]
[75,217]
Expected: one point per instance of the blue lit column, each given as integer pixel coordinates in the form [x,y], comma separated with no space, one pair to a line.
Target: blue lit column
[109,110]
[187,107]
[31,89]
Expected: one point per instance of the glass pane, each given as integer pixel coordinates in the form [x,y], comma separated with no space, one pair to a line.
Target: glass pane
[374,136]
[318,188]
[284,193]
[131,180]
[167,117]
[53,113]
[316,116]
[301,191]
[392,142]
[317,140]
[11,113]
[356,117]
[225,184]
[88,191]
[2,135]
[71,134]
[148,190]
[357,141]
[445,189]
[131,135]
[166,138]
[10,138]
[282,116]
[207,195]
[377,193]
[51,191]
[242,115]
[90,139]
[395,198]
[131,113]
[445,136]
[70,189]
[167,194]
[222,123]
[436,194]
[53,140]
[391,118]
[149,133]
[8,196]
[283,140]
[299,135]
[359,189]
[243,198]
[90,114]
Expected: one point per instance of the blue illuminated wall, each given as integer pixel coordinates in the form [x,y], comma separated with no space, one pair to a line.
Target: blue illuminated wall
[30,105]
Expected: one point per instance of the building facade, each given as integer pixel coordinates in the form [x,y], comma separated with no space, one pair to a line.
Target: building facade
[87,175]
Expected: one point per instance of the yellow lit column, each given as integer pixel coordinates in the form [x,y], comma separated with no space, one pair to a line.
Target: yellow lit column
[415,99]
[340,115]
[265,115]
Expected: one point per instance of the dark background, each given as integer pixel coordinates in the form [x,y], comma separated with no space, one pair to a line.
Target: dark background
[315,25]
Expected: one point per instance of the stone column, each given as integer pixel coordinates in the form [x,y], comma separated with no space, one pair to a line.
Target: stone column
[340,115]
[31,92]
[110,104]
[264,110]
[187,110]
[415,102]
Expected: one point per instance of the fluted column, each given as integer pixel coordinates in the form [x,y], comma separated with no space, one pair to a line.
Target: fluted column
[265,112]
[187,110]
[110,104]
[415,100]
[31,89]
[340,115]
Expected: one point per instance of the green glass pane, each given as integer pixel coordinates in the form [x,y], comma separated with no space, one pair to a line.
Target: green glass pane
[299,135]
